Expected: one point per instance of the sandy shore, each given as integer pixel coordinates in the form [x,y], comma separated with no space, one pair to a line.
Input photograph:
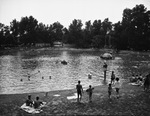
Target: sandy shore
[133,101]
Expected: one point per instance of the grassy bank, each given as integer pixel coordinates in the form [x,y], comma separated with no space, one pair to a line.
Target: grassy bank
[133,101]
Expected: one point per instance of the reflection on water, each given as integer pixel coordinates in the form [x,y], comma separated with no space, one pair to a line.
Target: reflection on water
[30,66]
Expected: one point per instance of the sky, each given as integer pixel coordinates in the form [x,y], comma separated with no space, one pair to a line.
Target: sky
[65,11]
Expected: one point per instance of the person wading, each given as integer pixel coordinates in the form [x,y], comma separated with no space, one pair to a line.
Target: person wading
[105,69]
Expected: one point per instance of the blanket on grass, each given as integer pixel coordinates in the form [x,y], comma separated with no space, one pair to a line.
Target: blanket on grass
[32,109]
[136,84]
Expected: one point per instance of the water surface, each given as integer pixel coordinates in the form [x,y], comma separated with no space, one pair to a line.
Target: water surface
[36,70]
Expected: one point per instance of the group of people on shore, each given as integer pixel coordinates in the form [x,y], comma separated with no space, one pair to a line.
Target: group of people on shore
[138,79]
[141,80]
[114,81]
[37,103]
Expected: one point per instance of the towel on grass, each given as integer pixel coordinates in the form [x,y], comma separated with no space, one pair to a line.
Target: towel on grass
[134,84]
[32,109]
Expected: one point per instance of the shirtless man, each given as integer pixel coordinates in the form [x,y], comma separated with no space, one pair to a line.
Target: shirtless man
[79,91]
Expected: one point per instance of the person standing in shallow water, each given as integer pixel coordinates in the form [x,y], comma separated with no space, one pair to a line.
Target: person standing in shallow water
[105,69]
[79,91]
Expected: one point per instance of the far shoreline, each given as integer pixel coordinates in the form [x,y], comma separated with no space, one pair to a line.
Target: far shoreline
[68,48]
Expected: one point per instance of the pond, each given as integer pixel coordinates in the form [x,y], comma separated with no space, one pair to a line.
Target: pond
[36,70]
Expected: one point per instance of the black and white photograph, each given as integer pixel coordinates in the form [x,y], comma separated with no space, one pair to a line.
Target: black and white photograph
[74,57]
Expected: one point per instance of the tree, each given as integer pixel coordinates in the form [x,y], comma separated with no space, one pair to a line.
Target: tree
[14,28]
[107,26]
[97,34]
[97,41]
[87,35]
[120,38]
[96,28]
[65,38]
[27,28]
[140,23]
[57,29]
[8,40]
[75,33]
[41,33]
[136,25]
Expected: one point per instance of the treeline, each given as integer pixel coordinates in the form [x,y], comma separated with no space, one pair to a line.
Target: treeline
[133,32]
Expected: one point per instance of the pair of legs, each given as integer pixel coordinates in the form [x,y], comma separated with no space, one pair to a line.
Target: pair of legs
[90,97]
[112,81]
[79,94]
[117,91]
[109,94]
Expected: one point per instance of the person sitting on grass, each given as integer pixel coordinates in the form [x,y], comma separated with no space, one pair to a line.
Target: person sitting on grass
[137,76]
[109,91]
[117,86]
[133,78]
[140,80]
[90,91]
[37,103]
[29,102]
[79,91]
[140,77]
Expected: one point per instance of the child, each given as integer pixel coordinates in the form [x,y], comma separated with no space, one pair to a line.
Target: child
[79,91]
[140,80]
[109,90]
[90,91]
[117,86]
[29,102]
[141,77]
[37,103]
[112,77]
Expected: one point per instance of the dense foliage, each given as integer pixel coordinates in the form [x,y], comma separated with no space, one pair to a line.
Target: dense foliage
[133,32]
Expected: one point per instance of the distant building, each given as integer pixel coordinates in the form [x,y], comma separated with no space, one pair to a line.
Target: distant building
[42,44]
[57,43]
